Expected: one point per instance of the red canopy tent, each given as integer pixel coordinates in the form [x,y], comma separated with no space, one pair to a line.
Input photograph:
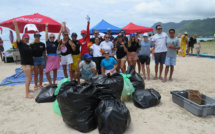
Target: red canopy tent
[131,28]
[37,19]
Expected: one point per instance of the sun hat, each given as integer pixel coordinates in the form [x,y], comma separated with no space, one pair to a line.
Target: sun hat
[145,35]
[185,33]
[132,35]
[87,56]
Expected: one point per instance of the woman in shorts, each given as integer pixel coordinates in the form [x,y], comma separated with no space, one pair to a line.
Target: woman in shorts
[133,45]
[121,53]
[39,57]
[66,46]
[26,58]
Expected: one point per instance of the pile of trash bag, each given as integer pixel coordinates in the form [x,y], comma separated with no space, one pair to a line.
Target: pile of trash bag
[47,94]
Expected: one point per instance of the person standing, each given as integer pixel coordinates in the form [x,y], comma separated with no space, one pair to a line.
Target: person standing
[122,31]
[26,58]
[53,60]
[183,44]
[144,55]
[85,39]
[75,54]
[173,46]
[107,45]
[109,32]
[138,61]
[121,53]
[198,47]
[159,39]
[1,48]
[96,35]
[132,47]
[39,57]
[192,41]
[66,46]
[97,55]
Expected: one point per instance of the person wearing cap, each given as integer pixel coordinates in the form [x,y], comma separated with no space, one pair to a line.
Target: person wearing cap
[1,48]
[85,39]
[144,55]
[121,52]
[191,43]
[26,58]
[86,69]
[184,44]
[75,54]
[109,32]
[108,64]
[132,47]
[122,31]
[96,35]
[159,39]
[39,57]
[66,46]
[53,60]
[172,45]
[97,55]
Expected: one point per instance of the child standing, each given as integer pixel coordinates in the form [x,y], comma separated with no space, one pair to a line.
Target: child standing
[198,47]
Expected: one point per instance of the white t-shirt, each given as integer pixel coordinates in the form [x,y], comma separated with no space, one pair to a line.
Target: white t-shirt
[107,46]
[96,50]
[160,42]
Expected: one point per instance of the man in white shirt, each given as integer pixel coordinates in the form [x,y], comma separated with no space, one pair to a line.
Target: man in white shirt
[159,39]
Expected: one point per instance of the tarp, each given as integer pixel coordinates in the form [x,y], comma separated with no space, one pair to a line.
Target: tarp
[19,77]
[102,27]
[131,28]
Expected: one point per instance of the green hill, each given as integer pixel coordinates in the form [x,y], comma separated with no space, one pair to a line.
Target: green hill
[200,27]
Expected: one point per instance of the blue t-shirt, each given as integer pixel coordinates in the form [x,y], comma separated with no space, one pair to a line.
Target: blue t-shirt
[108,64]
[51,47]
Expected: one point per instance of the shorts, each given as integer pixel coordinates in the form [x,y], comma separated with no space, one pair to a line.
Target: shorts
[123,58]
[132,56]
[27,67]
[67,59]
[75,61]
[190,46]
[160,57]
[39,61]
[198,52]
[144,60]
[86,76]
[170,61]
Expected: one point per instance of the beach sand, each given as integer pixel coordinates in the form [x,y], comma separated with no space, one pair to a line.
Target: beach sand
[21,115]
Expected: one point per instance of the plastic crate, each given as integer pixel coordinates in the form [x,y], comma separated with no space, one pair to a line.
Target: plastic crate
[207,107]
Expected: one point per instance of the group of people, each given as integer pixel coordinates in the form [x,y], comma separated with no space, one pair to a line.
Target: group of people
[87,56]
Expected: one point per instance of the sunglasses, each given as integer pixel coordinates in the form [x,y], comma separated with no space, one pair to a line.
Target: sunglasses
[83,34]
[51,37]
[65,34]
[27,38]
[106,53]
[96,33]
[159,28]
[107,37]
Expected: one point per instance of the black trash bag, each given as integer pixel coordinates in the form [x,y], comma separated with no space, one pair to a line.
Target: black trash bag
[136,80]
[113,116]
[47,94]
[77,105]
[144,98]
[108,85]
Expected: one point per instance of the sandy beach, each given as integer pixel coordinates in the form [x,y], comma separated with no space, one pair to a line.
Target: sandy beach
[21,115]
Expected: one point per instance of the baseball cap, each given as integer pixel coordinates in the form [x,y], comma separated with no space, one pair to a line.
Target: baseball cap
[120,35]
[25,36]
[185,33]
[74,35]
[145,35]
[87,56]
[132,34]
[83,31]
[108,29]
[37,34]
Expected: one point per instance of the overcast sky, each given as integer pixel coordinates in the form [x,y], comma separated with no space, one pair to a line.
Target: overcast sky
[116,12]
